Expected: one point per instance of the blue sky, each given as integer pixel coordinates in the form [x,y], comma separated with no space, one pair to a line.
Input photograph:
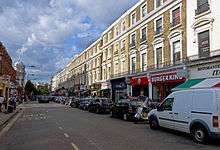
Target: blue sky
[50,32]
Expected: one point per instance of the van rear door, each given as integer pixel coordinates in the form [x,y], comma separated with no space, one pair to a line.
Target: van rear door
[182,110]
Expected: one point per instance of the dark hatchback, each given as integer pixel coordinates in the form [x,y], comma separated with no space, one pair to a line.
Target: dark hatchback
[100,105]
[74,102]
[125,108]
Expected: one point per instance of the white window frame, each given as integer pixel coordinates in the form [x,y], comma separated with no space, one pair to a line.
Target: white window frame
[134,13]
[156,46]
[142,10]
[109,35]
[123,69]
[116,72]
[141,31]
[135,57]
[171,13]
[117,29]
[155,1]
[131,37]
[123,41]
[123,30]
[155,23]
[143,50]
[109,54]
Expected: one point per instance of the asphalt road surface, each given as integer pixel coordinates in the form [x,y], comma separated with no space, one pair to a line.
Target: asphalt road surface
[57,127]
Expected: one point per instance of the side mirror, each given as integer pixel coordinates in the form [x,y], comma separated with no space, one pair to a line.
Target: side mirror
[159,108]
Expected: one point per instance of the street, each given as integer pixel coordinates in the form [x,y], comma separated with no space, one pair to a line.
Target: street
[55,127]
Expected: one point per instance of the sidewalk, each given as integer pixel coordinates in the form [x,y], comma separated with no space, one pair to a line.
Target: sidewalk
[4,118]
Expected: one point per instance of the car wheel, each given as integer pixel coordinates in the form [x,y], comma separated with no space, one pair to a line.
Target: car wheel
[200,135]
[153,124]
[125,117]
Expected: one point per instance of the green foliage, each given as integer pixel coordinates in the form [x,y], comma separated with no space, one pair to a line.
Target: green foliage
[30,88]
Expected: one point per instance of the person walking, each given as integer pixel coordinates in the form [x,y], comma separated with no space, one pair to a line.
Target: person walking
[1,102]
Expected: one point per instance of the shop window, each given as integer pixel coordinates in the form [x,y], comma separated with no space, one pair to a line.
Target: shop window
[176,52]
[133,64]
[159,57]
[144,61]
[204,44]
[202,6]
[144,11]
[116,68]
[159,26]
[175,17]
[143,34]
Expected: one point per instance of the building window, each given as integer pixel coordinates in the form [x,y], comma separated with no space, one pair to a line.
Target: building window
[176,52]
[144,11]
[123,26]
[133,18]
[133,40]
[109,72]
[116,49]
[143,62]
[123,66]
[159,26]
[116,31]
[143,34]
[175,17]
[109,52]
[202,6]
[133,64]
[123,46]
[158,3]
[159,57]
[110,35]
[204,44]
[1,69]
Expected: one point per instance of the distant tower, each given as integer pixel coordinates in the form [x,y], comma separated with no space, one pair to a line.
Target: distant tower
[20,69]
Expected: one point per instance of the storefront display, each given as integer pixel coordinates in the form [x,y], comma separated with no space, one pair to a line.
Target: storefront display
[119,89]
[140,86]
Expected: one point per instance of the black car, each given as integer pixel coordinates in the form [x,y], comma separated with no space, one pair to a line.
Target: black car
[126,108]
[100,105]
[74,102]
[43,99]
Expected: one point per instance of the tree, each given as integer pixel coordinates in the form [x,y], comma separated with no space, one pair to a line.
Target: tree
[30,88]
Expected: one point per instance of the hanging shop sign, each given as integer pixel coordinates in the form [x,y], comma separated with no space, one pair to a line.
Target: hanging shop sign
[167,78]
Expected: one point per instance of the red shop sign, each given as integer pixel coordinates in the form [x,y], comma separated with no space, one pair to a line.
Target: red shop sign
[139,81]
[167,78]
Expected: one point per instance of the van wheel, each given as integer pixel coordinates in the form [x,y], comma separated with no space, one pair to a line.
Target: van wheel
[199,135]
[153,124]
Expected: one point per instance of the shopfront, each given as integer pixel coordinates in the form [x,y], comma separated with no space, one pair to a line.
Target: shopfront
[105,90]
[164,82]
[140,86]
[119,89]
[202,76]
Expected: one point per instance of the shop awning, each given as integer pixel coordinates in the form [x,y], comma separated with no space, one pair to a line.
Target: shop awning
[199,83]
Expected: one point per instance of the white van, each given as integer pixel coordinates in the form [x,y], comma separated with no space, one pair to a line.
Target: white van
[195,111]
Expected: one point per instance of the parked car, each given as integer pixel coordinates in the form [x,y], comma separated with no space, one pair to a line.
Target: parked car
[84,103]
[126,108]
[43,99]
[74,102]
[195,111]
[100,105]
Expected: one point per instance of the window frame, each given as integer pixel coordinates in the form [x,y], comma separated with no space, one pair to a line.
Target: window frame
[155,25]
[141,16]
[135,14]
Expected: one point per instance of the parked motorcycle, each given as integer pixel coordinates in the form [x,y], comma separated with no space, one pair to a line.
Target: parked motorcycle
[143,110]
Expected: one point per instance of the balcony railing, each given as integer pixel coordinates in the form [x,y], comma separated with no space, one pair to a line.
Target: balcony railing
[202,8]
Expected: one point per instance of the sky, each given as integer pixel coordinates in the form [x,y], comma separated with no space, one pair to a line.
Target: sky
[49,33]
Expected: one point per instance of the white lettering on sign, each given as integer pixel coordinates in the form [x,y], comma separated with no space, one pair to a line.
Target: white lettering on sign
[163,78]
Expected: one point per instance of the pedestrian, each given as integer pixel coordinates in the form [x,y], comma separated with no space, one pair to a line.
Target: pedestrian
[1,102]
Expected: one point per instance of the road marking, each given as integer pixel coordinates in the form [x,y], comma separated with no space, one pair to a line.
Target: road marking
[60,128]
[75,147]
[11,123]
[66,135]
